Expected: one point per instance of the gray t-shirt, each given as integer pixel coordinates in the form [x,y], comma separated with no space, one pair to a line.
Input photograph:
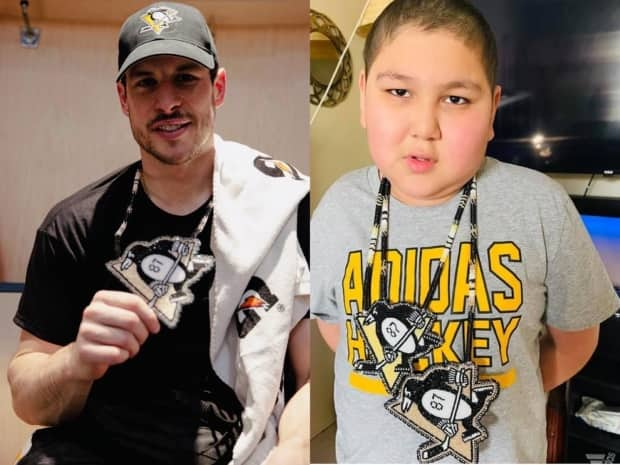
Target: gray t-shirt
[538,267]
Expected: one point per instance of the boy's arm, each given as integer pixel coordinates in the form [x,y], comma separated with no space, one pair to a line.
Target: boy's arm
[294,428]
[330,333]
[564,353]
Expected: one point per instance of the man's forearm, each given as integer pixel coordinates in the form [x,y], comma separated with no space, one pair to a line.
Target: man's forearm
[294,423]
[44,393]
[294,431]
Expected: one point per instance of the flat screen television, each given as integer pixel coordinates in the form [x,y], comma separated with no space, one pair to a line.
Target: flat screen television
[559,68]
[601,216]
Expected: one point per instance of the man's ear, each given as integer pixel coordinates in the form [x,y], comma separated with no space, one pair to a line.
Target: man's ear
[121,90]
[497,97]
[219,87]
[362,86]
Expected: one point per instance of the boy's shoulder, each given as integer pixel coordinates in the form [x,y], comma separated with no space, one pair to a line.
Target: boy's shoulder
[352,194]
[519,179]
[522,191]
[360,179]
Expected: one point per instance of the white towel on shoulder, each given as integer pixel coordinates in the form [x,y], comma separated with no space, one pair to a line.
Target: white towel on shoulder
[254,241]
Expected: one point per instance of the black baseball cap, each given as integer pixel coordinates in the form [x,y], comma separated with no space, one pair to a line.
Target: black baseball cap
[165,28]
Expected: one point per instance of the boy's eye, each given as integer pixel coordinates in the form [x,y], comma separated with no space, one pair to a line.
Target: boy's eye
[456,100]
[399,92]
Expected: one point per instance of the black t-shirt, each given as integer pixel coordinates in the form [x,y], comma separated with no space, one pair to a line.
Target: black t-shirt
[166,404]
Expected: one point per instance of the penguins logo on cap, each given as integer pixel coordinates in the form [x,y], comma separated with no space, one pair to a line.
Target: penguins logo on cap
[159,18]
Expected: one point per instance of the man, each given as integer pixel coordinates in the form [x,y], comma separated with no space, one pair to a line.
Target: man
[160,301]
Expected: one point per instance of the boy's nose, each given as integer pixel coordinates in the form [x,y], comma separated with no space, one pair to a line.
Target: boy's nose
[424,123]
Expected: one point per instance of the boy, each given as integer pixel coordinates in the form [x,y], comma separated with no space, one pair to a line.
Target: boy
[447,341]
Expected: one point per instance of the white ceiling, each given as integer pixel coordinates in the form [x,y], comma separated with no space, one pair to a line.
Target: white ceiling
[114,12]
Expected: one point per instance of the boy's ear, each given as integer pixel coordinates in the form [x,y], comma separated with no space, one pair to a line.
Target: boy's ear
[497,96]
[121,90]
[219,87]
[362,86]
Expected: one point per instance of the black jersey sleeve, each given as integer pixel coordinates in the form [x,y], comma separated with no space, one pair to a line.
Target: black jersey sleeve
[47,306]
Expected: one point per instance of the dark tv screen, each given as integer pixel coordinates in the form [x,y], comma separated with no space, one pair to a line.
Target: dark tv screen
[559,68]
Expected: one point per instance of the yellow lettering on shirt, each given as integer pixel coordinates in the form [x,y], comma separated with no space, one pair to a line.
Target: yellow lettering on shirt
[512,299]
[411,257]
[355,344]
[504,333]
[480,342]
[409,279]
[353,283]
[461,286]
[394,261]
[429,260]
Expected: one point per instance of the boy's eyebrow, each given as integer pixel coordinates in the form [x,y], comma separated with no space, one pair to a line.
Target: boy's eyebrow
[457,84]
[393,75]
[463,84]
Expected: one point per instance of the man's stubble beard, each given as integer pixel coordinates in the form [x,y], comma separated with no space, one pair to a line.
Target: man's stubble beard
[145,142]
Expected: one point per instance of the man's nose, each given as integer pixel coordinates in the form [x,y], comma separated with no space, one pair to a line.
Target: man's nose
[167,97]
[424,121]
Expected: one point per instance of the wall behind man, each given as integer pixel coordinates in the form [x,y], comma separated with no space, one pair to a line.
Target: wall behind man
[62,126]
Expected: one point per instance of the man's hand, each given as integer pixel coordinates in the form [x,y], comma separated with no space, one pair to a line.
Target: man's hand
[288,454]
[114,326]
[294,433]
[50,383]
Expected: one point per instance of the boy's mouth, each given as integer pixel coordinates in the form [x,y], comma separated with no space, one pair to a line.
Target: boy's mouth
[419,163]
[421,157]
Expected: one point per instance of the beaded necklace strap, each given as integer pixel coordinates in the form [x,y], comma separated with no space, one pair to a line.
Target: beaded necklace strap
[134,191]
[380,230]
[474,259]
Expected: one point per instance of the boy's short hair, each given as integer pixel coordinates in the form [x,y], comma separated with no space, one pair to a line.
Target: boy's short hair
[456,16]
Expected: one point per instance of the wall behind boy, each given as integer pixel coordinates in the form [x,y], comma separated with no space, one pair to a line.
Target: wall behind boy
[338,146]
[338,142]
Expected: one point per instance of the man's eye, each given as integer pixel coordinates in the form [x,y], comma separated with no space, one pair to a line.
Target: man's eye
[399,92]
[146,82]
[186,78]
[456,100]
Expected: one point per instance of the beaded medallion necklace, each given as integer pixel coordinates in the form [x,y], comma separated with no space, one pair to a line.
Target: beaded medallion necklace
[446,402]
[162,270]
